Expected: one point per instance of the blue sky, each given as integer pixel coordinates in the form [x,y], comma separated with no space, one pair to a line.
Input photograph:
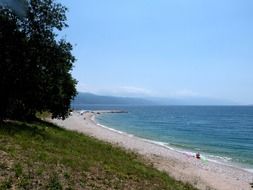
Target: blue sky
[163,48]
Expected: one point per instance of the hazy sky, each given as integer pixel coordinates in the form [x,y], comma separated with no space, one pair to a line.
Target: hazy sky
[165,48]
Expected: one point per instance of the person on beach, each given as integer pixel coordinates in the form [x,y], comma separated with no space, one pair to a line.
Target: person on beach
[198,155]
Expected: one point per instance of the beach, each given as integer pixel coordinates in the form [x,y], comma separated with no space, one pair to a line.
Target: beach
[183,167]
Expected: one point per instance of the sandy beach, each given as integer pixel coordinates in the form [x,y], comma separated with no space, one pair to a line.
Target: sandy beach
[203,175]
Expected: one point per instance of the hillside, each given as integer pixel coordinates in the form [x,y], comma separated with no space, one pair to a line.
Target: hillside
[91,99]
[42,156]
[88,98]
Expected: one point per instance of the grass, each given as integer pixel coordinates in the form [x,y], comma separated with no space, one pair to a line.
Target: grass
[40,155]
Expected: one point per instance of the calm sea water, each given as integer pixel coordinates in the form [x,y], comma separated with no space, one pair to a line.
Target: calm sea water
[221,133]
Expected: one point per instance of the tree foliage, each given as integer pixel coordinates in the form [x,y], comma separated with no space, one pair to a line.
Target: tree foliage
[35,66]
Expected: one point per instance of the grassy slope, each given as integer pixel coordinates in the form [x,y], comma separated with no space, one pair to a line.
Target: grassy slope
[43,156]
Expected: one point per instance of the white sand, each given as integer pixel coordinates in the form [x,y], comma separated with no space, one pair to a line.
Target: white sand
[203,175]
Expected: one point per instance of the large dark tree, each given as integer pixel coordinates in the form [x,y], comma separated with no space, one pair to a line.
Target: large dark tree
[34,66]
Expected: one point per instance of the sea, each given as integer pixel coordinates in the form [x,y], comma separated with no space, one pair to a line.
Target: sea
[222,134]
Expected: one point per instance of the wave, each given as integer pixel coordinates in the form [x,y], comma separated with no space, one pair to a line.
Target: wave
[111,129]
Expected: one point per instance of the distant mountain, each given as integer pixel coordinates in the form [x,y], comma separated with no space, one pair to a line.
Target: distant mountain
[92,99]
[194,101]
[88,98]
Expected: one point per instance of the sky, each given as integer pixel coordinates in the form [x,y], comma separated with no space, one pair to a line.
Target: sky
[163,48]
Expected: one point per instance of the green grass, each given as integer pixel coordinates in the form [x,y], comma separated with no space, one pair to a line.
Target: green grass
[42,156]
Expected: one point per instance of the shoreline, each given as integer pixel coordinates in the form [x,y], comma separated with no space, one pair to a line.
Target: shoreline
[183,167]
[187,152]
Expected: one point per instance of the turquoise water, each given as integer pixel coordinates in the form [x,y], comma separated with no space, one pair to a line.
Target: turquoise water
[222,133]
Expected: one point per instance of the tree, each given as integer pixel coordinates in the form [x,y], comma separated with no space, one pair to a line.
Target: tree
[35,67]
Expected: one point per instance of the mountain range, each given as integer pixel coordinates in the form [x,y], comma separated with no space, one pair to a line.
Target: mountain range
[91,99]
